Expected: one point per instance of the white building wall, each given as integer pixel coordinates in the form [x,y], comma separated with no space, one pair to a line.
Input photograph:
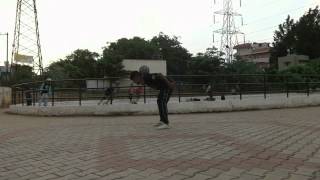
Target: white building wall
[155,66]
[242,52]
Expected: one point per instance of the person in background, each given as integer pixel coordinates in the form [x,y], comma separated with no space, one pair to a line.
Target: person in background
[45,92]
[130,93]
[106,99]
[138,91]
[28,96]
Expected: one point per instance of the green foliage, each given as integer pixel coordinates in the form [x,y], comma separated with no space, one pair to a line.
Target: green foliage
[135,48]
[241,67]
[177,57]
[110,65]
[301,37]
[21,74]
[83,63]
[206,63]
[307,32]
[80,64]
[299,69]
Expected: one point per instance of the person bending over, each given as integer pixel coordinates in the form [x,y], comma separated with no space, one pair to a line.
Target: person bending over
[164,85]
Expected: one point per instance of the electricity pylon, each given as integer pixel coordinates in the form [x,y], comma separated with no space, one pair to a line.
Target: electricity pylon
[26,48]
[229,31]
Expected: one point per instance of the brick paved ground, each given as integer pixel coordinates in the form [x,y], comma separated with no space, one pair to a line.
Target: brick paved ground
[270,145]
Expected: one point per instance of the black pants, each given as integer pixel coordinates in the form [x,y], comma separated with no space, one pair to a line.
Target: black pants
[162,101]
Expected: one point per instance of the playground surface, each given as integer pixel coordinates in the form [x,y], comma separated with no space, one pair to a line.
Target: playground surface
[275,144]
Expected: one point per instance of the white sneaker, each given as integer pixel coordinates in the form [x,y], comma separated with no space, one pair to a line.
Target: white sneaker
[163,126]
[158,124]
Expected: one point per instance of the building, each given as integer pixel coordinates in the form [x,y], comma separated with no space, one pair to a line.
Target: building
[155,66]
[3,70]
[291,60]
[258,53]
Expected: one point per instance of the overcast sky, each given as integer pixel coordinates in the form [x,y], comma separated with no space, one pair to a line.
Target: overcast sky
[66,25]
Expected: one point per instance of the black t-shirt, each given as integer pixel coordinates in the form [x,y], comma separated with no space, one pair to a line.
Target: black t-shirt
[156,81]
[108,91]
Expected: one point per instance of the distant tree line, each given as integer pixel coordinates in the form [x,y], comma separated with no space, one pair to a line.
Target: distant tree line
[300,37]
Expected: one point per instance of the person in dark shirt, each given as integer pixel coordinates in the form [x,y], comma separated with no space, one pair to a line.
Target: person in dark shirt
[159,82]
[45,92]
[108,92]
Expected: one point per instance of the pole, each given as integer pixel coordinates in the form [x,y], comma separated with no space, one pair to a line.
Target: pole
[7,52]
[264,86]
[308,88]
[179,93]
[144,94]
[7,63]
[287,86]
[52,89]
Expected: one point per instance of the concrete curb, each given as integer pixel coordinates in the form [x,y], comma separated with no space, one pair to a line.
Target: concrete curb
[174,108]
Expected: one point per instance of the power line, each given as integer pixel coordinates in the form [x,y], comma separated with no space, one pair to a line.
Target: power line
[270,2]
[261,30]
[267,17]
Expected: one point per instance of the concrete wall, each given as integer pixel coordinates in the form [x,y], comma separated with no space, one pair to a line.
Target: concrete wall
[291,60]
[174,108]
[5,97]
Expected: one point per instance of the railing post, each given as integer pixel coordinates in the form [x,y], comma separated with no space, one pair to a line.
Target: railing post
[13,95]
[240,90]
[179,93]
[180,88]
[308,88]
[111,95]
[37,96]
[211,88]
[33,97]
[52,87]
[22,97]
[144,94]
[80,94]
[264,86]
[287,86]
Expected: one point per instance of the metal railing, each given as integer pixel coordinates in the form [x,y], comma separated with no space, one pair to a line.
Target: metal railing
[186,86]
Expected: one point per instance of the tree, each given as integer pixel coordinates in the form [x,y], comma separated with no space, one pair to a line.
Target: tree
[301,37]
[206,63]
[83,62]
[308,34]
[241,67]
[110,65]
[57,71]
[177,57]
[79,64]
[135,48]
[283,41]
[22,74]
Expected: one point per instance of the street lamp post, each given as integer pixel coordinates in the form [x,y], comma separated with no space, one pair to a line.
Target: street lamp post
[7,60]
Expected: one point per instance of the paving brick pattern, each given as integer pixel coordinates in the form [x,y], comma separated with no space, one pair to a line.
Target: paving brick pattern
[262,145]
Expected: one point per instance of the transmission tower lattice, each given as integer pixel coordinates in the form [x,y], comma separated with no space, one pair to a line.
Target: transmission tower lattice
[229,31]
[26,48]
